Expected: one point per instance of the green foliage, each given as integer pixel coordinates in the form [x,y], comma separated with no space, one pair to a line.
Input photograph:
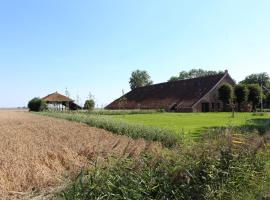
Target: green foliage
[194,73]
[241,94]
[37,104]
[225,93]
[254,95]
[267,100]
[89,104]
[260,79]
[124,112]
[167,137]
[139,79]
[217,168]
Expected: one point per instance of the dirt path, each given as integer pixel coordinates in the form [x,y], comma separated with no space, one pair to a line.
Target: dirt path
[38,152]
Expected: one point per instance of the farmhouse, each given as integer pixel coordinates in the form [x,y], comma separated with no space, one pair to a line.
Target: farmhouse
[190,95]
[56,101]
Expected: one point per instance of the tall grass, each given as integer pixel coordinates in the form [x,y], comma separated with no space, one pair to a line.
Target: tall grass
[123,112]
[219,168]
[115,112]
[167,137]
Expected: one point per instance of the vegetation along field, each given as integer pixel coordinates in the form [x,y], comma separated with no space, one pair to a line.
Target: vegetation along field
[230,163]
[48,158]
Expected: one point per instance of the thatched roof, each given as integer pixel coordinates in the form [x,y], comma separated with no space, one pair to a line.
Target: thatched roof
[183,92]
[56,97]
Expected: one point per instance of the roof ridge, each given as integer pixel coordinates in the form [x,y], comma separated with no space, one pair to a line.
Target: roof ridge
[210,75]
[188,91]
[58,94]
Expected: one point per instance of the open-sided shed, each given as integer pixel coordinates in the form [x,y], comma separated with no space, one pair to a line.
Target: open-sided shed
[58,101]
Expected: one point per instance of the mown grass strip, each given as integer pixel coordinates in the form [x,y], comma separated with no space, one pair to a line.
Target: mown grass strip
[168,138]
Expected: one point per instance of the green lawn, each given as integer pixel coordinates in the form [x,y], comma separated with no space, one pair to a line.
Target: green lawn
[190,122]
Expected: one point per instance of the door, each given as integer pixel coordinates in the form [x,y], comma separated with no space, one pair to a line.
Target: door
[205,107]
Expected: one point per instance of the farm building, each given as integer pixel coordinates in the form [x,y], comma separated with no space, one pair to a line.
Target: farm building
[190,95]
[56,101]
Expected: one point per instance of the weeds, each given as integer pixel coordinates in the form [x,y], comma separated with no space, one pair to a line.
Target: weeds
[124,112]
[167,137]
[214,169]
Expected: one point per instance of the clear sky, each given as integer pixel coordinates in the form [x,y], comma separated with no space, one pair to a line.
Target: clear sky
[87,45]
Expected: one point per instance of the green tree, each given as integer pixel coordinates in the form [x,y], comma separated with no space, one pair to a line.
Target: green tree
[260,79]
[194,73]
[37,104]
[89,104]
[139,79]
[241,94]
[254,95]
[225,93]
[267,101]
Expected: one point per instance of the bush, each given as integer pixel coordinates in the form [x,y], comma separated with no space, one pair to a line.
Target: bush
[89,104]
[37,104]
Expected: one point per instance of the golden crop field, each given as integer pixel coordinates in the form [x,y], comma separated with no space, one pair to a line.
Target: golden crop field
[39,153]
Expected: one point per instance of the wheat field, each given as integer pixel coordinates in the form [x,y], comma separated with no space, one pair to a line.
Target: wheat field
[39,153]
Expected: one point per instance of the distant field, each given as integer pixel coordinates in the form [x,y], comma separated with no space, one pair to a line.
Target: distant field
[191,122]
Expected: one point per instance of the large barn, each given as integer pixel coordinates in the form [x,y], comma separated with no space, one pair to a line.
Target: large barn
[190,95]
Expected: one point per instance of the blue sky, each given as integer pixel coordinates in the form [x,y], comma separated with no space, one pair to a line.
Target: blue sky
[93,46]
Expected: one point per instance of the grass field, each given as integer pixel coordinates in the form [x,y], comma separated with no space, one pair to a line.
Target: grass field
[193,123]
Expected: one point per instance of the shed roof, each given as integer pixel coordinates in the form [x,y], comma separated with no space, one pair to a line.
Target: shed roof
[56,97]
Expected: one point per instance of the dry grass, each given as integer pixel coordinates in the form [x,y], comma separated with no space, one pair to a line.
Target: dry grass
[38,152]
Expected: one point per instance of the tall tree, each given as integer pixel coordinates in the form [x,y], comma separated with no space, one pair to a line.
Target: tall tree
[267,101]
[194,73]
[241,94]
[254,95]
[225,93]
[139,79]
[260,79]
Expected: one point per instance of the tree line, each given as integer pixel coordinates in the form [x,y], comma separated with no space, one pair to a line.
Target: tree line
[240,94]
[250,90]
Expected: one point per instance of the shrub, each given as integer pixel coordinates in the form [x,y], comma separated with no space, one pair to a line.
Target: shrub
[89,104]
[37,104]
